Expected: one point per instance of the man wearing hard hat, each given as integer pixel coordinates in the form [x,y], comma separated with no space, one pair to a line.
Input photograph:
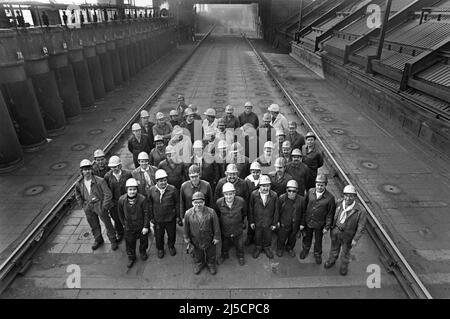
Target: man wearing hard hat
[265,131]
[193,185]
[176,172]
[299,171]
[191,125]
[181,107]
[312,156]
[320,208]
[147,127]
[138,143]
[158,154]
[232,211]
[164,201]
[182,145]
[116,179]
[286,151]
[248,116]
[162,128]
[174,118]
[347,228]
[202,233]
[263,214]
[210,124]
[292,207]
[252,181]
[267,159]
[279,178]
[99,167]
[94,196]
[231,121]
[278,120]
[134,213]
[208,168]
[241,161]
[297,140]
[231,176]
[144,174]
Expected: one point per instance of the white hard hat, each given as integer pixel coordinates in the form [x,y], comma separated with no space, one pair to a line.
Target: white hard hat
[255,166]
[349,189]
[135,127]
[173,113]
[210,112]
[143,156]
[264,179]
[160,174]
[228,187]
[99,153]
[114,161]
[248,104]
[222,144]
[85,163]
[198,144]
[144,113]
[286,144]
[170,149]
[231,168]
[229,109]
[296,152]
[160,115]
[280,162]
[292,183]
[158,138]
[268,144]
[280,132]
[267,117]
[188,111]
[131,182]
[274,108]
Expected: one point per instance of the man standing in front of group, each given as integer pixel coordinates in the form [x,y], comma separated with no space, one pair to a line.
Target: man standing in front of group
[320,207]
[202,231]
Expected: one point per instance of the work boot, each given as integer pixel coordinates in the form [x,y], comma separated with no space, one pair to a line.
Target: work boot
[172,251]
[144,256]
[329,263]
[197,268]
[114,245]
[160,253]
[303,254]
[241,261]
[268,252]
[291,252]
[256,252]
[279,252]
[212,269]
[318,259]
[130,263]
[97,244]
[343,269]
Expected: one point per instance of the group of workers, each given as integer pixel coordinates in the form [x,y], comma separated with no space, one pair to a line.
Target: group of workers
[194,173]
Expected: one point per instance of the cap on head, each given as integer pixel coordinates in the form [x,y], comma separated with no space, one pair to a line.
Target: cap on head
[188,111]
[143,156]
[267,117]
[231,168]
[292,183]
[114,161]
[173,113]
[85,163]
[280,162]
[160,116]
[349,189]
[144,113]
[158,138]
[198,144]
[131,182]
[99,153]
[296,152]
[210,112]
[286,144]
[228,187]
[198,195]
[194,169]
[229,109]
[321,178]
[135,127]
[268,144]
[274,108]
[264,180]
[310,134]
[160,174]
[255,166]
[248,104]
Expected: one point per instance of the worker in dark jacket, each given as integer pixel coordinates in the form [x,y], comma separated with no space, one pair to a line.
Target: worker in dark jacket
[147,128]
[158,154]
[164,202]
[190,187]
[232,211]
[267,159]
[94,197]
[252,181]
[297,140]
[138,143]
[182,106]
[279,178]
[239,159]
[312,157]
[286,151]
[202,233]
[134,214]
[231,121]
[176,172]
[265,131]
[100,168]
[248,116]
[320,207]
[116,179]
[162,128]
[299,171]
[292,207]
[144,174]
[346,229]
[232,177]
[263,216]
[194,127]
[208,168]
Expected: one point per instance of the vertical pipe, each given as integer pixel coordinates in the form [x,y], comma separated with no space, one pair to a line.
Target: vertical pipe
[11,155]
[104,57]
[383,29]
[123,55]
[93,61]
[113,49]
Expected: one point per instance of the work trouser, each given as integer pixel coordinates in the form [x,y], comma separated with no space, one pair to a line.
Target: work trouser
[263,237]
[114,213]
[340,239]
[250,233]
[92,217]
[131,236]
[287,238]
[160,229]
[204,256]
[307,240]
[237,241]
